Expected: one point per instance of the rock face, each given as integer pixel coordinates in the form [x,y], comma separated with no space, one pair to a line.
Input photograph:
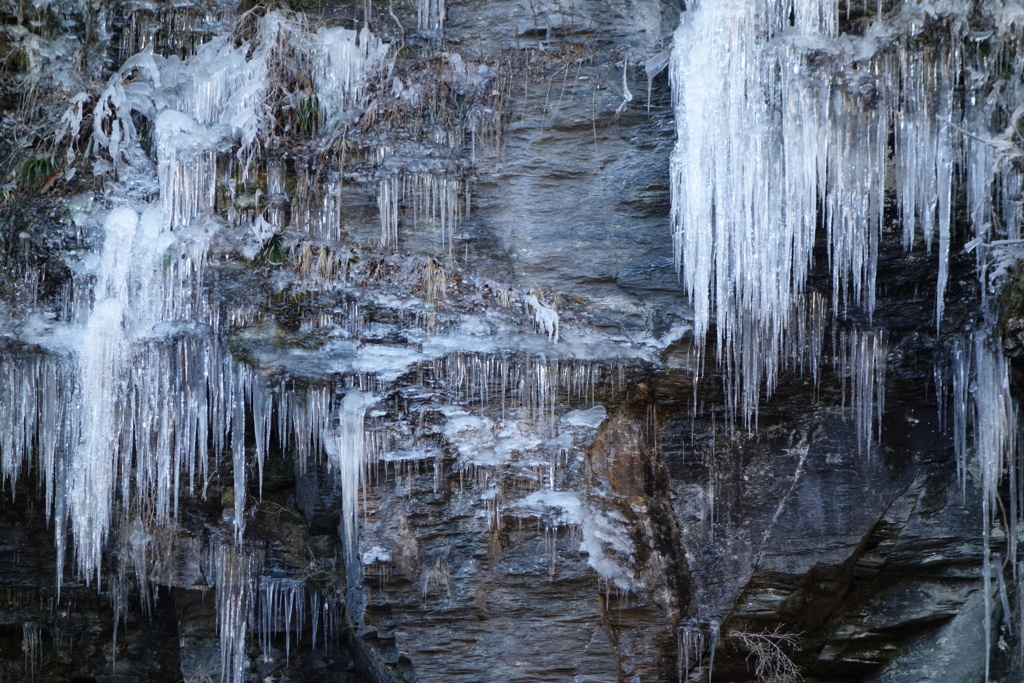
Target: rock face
[467,439]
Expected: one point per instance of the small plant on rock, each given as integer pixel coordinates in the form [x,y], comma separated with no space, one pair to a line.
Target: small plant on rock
[273,252]
[435,280]
[310,116]
[32,172]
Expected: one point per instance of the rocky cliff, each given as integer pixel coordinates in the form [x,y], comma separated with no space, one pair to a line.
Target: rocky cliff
[385,372]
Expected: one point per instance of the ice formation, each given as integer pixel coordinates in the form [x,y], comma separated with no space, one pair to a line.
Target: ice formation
[434,200]
[586,418]
[172,29]
[742,244]
[32,646]
[515,380]
[983,403]
[232,571]
[545,316]
[346,451]
[287,606]
[768,149]
[610,548]
[786,129]
[430,15]
[316,204]
[862,361]
[690,643]
[135,399]
[343,62]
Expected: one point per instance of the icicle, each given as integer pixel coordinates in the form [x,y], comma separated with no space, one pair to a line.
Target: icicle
[101,359]
[282,610]
[32,647]
[690,638]
[993,417]
[430,15]
[226,88]
[342,63]
[316,206]
[138,555]
[986,569]
[238,462]
[187,171]
[863,359]
[924,145]
[960,369]
[652,67]
[387,202]
[805,338]
[1004,598]
[715,627]
[740,247]
[119,603]
[33,410]
[346,449]
[812,149]
[232,571]
[175,29]
[260,400]
[434,201]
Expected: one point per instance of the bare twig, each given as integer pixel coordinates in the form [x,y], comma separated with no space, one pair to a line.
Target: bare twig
[771,663]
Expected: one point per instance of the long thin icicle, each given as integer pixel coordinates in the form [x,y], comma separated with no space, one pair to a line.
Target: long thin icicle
[346,450]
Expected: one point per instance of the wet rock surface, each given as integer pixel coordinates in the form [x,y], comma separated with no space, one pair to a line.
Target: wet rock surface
[862,553]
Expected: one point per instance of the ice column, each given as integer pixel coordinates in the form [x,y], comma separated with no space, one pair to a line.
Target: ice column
[101,355]
[346,450]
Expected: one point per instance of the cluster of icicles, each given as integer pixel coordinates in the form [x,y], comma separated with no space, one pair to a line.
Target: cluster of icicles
[135,397]
[135,402]
[147,451]
[786,129]
[783,127]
